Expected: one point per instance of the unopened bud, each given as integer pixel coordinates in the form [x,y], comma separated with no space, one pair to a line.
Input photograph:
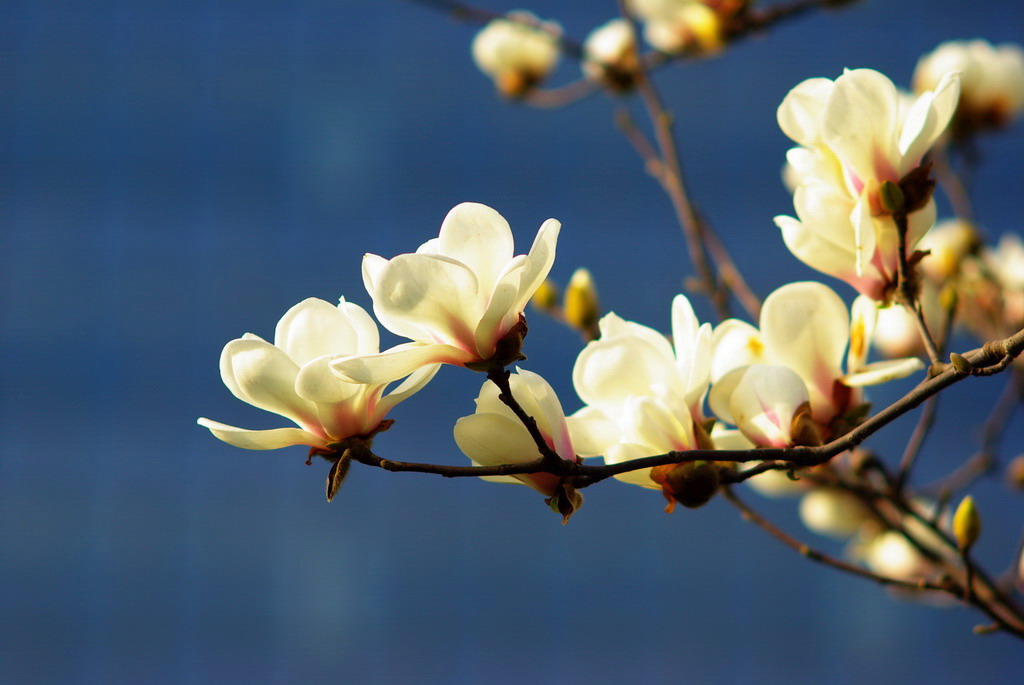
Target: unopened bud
[960,363]
[546,296]
[581,307]
[891,197]
[966,524]
[692,484]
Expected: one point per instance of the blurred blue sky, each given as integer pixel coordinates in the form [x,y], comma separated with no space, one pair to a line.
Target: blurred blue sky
[175,174]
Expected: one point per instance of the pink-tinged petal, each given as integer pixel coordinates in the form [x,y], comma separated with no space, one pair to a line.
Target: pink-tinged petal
[764,402]
[592,431]
[735,344]
[540,259]
[927,119]
[263,375]
[806,327]
[429,298]
[313,328]
[501,313]
[919,223]
[316,383]
[479,237]
[883,372]
[365,328]
[801,111]
[859,122]
[542,404]
[262,439]
[395,363]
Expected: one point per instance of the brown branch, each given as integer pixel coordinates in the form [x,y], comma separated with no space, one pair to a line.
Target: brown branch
[908,288]
[924,425]
[793,457]
[820,557]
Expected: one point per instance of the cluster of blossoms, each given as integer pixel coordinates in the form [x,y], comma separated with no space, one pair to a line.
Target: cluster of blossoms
[863,199]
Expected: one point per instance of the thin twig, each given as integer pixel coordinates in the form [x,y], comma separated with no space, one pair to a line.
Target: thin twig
[819,556]
[924,425]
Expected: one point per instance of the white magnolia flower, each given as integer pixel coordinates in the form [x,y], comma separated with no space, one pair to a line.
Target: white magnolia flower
[494,435]
[517,52]
[948,244]
[291,378]
[679,25]
[643,393]
[609,51]
[855,134]
[835,513]
[761,379]
[459,297]
[991,80]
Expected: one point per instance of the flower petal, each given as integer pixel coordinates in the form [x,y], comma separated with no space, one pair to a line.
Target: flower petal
[801,111]
[540,259]
[395,363]
[479,237]
[262,375]
[261,439]
[859,122]
[593,431]
[313,328]
[882,372]
[492,439]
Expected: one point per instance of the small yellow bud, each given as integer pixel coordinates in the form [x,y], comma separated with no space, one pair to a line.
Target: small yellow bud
[966,523]
[581,307]
[546,296]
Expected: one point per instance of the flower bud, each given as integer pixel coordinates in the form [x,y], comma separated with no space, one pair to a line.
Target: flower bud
[517,53]
[609,54]
[692,484]
[546,296]
[991,77]
[581,307]
[834,513]
[948,243]
[966,524]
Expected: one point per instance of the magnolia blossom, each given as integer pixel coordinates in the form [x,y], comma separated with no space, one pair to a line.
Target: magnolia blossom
[610,52]
[679,25]
[459,297]
[785,384]
[835,513]
[947,245]
[856,134]
[494,434]
[1006,262]
[643,393]
[291,378]
[517,52]
[991,81]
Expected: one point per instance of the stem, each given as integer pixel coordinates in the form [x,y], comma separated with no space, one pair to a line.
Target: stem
[908,289]
[924,425]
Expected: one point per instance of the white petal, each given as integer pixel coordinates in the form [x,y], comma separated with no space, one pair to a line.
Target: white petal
[882,372]
[764,401]
[429,298]
[501,313]
[593,431]
[395,363]
[801,112]
[735,343]
[540,259]
[491,439]
[626,452]
[313,328]
[927,119]
[859,122]
[263,375]
[479,237]
[863,316]
[806,327]
[407,388]
[651,423]
[372,267]
[365,328]
[608,371]
[262,439]
[316,383]
[542,404]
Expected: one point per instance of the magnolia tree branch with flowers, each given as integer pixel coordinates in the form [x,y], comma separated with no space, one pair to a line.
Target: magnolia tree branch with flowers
[780,405]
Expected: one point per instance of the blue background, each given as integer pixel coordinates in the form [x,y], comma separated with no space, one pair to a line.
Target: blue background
[175,174]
